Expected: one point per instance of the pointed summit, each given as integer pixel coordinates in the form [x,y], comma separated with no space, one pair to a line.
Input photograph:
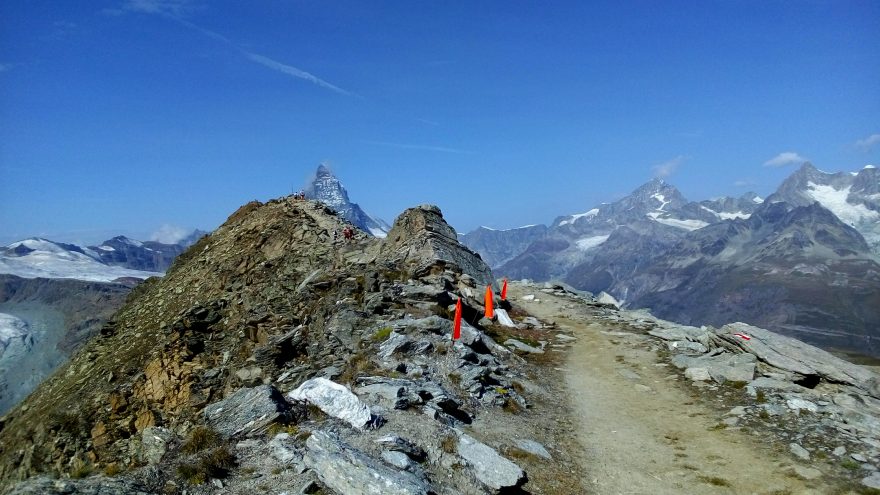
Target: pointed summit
[327,188]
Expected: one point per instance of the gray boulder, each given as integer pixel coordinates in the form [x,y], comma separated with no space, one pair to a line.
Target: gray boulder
[533,448]
[248,411]
[523,347]
[722,367]
[346,470]
[490,468]
[795,356]
[154,443]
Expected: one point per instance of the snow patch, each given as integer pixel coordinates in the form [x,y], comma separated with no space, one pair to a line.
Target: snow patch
[662,199]
[381,234]
[725,215]
[870,166]
[758,199]
[106,248]
[10,328]
[573,218]
[588,243]
[835,200]
[50,260]
[681,224]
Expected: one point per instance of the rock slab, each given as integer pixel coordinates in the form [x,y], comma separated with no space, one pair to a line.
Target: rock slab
[494,471]
[247,412]
[347,470]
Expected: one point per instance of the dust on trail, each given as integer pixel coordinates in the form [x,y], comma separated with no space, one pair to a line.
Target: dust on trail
[642,432]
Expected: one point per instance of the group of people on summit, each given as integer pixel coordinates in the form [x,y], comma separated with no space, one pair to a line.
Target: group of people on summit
[347,232]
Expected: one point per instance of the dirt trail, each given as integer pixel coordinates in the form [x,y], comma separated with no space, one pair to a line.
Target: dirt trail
[643,432]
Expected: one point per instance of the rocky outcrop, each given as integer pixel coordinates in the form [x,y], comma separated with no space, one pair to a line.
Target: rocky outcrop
[349,471]
[422,242]
[248,411]
[793,356]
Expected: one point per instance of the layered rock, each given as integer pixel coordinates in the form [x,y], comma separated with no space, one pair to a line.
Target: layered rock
[423,242]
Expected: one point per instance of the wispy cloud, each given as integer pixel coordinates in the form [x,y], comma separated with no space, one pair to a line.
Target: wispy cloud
[293,71]
[177,10]
[667,168]
[785,158]
[441,149]
[868,143]
[743,183]
[170,234]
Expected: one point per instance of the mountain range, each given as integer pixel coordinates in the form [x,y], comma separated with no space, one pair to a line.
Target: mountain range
[803,261]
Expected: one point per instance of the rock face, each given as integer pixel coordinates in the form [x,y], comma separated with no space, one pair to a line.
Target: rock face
[349,471]
[327,189]
[423,242]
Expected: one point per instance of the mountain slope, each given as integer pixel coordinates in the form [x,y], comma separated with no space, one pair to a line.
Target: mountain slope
[499,246]
[326,188]
[42,258]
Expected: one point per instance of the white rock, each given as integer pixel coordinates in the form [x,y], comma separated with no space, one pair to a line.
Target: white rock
[504,318]
[872,481]
[796,404]
[491,469]
[697,374]
[528,297]
[799,452]
[334,399]
[839,451]
[807,473]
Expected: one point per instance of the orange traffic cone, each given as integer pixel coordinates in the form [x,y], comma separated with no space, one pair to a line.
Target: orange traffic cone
[456,327]
[504,291]
[490,311]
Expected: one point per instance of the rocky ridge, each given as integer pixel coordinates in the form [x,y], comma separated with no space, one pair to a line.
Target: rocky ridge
[201,376]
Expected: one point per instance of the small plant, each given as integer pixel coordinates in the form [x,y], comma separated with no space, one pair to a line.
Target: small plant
[760,397]
[200,438]
[512,406]
[213,463]
[719,426]
[449,444]
[850,464]
[382,334]
[714,480]
[80,469]
[277,428]
[501,391]
[763,414]
[112,469]
[518,387]
[455,378]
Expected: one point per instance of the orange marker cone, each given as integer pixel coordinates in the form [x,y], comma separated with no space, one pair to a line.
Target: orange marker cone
[504,291]
[456,327]
[490,311]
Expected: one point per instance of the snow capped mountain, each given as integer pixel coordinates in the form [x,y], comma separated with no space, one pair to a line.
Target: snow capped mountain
[853,197]
[799,262]
[327,188]
[42,258]
[148,256]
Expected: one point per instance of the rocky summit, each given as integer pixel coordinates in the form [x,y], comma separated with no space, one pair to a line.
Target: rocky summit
[274,357]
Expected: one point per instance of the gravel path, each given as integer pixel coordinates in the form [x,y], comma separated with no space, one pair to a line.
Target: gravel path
[643,432]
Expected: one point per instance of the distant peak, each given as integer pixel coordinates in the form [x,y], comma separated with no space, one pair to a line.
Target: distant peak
[324,169]
[869,166]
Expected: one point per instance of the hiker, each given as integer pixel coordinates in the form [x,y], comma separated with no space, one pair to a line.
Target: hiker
[335,236]
[347,233]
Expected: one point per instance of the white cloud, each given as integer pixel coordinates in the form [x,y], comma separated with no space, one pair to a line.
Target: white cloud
[169,234]
[785,158]
[441,149]
[743,183]
[293,71]
[177,8]
[868,143]
[667,168]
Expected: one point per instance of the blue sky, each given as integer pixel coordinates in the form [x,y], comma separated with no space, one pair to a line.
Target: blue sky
[127,116]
